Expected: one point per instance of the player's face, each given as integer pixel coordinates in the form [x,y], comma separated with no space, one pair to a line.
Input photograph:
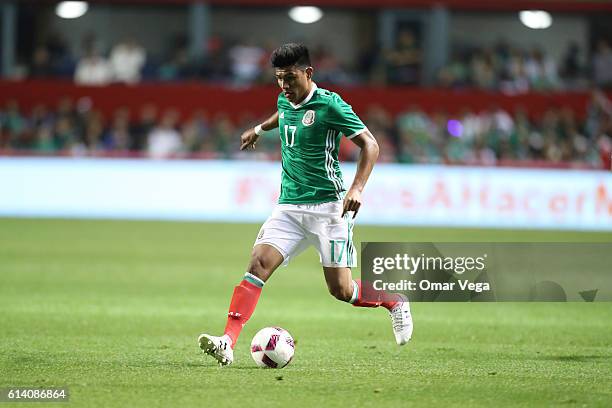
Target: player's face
[294,81]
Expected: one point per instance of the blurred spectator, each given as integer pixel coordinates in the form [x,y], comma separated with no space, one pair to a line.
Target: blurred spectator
[599,115]
[602,64]
[502,122]
[520,136]
[64,134]
[404,61]
[127,59]
[455,74]
[94,132]
[245,62]
[178,68]
[572,66]
[541,71]
[195,132]
[380,123]
[437,130]
[12,125]
[37,118]
[502,51]
[413,136]
[93,69]
[518,80]
[141,129]
[483,69]
[117,138]
[41,66]
[61,60]
[369,64]
[328,68]
[89,131]
[164,141]
[216,65]
[224,133]
[80,114]
[44,140]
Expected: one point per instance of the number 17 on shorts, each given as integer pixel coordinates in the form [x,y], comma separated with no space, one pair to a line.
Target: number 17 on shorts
[341,253]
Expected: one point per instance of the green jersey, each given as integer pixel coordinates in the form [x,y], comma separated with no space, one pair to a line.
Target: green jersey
[310,135]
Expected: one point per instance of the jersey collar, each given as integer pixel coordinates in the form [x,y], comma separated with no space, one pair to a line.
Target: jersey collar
[305,101]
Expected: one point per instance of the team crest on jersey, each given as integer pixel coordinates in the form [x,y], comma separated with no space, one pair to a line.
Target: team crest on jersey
[282,115]
[309,118]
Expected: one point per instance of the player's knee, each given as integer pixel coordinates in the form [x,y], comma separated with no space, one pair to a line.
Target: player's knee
[260,267]
[341,293]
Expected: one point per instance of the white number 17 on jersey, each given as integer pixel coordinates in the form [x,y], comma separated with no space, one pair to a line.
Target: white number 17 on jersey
[292,129]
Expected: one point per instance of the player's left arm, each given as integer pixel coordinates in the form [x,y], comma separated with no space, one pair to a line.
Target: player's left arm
[367,158]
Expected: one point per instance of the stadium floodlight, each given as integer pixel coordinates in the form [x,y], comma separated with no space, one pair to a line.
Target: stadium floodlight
[536,19]
[305,15]
[71,9]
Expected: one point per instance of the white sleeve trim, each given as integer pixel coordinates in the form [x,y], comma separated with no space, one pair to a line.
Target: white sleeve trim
[360,131]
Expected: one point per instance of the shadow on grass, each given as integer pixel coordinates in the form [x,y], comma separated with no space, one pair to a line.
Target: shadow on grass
[192,364]
[574,358]
[249,368]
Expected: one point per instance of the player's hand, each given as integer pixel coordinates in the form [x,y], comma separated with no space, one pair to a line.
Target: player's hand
[248,139]
[352,202]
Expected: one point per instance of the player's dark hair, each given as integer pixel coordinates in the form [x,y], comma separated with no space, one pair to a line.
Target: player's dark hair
[290,54]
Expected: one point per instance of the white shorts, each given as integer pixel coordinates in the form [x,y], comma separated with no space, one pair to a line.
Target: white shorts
[294,227]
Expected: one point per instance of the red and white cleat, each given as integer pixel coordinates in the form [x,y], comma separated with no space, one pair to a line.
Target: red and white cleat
[401,319]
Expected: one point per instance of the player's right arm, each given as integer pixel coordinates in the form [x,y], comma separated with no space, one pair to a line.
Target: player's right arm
[249,137]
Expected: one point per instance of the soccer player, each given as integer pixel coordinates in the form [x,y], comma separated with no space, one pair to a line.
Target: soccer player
[314,207]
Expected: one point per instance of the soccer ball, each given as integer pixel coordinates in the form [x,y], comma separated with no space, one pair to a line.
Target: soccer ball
[272,347]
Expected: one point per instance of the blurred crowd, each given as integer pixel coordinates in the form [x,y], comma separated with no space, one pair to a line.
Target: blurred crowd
[492,137]
[502,67]
[515,70]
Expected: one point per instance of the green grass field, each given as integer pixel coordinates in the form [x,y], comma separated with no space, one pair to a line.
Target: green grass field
[112,310]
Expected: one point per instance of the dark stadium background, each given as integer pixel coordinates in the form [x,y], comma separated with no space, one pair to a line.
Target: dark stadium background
[465,58]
